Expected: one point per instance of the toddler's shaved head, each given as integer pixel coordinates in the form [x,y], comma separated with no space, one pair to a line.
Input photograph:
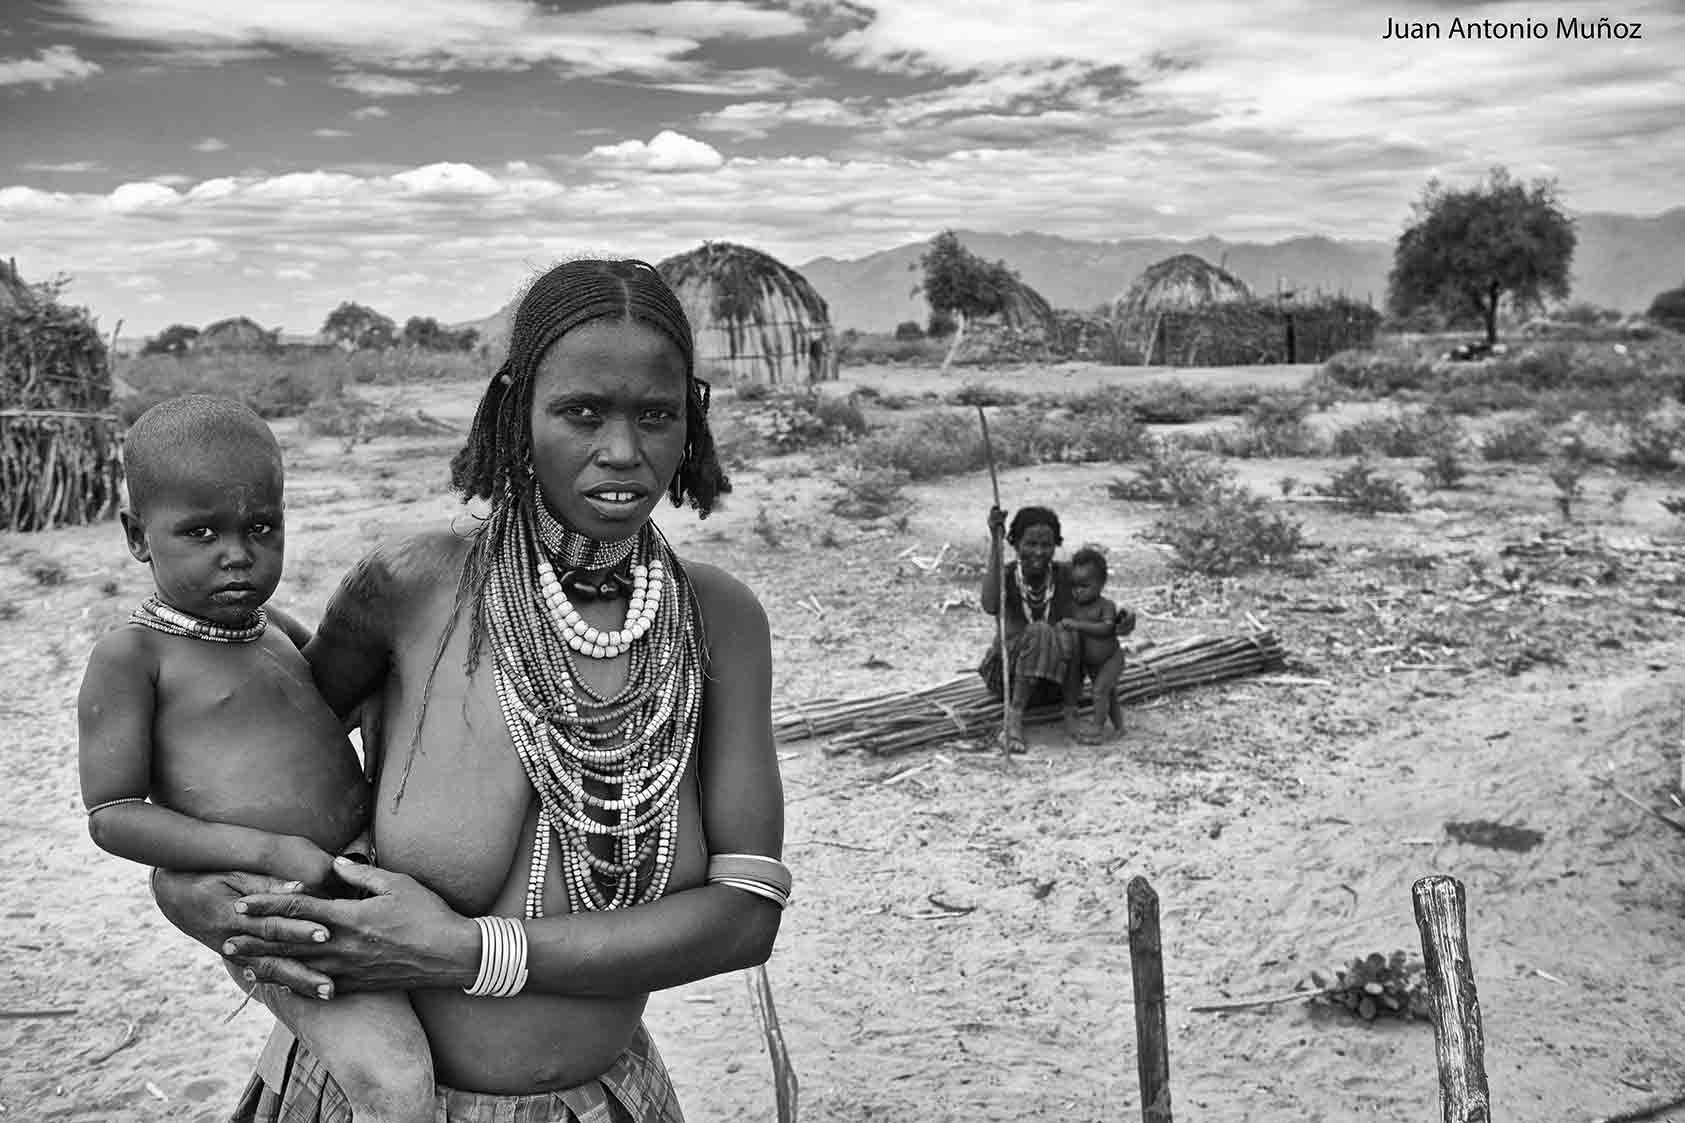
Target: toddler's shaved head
[191,438]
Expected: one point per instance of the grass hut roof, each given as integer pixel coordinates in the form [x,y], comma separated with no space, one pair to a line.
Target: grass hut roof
[238,333]
[1178,283]
[753,315]
[1024,307]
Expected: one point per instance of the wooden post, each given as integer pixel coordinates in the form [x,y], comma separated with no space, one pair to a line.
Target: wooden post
[998,544]
[1146,964]
[1458,1039]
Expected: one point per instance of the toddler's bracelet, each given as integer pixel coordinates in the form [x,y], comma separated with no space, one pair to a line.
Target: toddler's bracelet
[503,958]
[752,873]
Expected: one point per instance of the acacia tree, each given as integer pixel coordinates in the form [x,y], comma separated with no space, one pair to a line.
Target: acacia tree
[359,328]
[962,286]
[1466,250]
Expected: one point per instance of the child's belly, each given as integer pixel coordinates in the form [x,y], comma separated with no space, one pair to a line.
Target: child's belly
[273,759]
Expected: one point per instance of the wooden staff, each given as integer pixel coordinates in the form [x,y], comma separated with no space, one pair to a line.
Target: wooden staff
[783,1072]
[1459,1040]
[999,545]
[1146,965]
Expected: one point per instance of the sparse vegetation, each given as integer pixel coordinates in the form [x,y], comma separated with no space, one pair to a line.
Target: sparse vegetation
[1377,986]
[1230,530]
[1361,489]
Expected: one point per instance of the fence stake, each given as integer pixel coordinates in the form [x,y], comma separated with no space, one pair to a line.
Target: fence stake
[1146,964]
[1459,1041]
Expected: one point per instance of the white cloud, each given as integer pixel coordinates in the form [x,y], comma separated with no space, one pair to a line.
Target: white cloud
[141,197]
[69,166]
[640,38]
[388,85]
[330,133]
[210,144]
[447,180]
[370,112]
[50,66]
[759,118]
[667,151]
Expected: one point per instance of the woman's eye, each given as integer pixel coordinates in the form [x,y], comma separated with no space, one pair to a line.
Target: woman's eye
[201,533]
[261,529]
[579,413]
[659,416]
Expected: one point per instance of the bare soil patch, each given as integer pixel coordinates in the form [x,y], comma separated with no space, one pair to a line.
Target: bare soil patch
[1477,659]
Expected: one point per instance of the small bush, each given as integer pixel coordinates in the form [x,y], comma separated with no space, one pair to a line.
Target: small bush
[1377,986]
[1231,531]
[1520,441]
[1360,488]
[863,348]
[1445,468]
[1379,373]
[870,492]
[789,421]
[1397,436]
[1652,441]
[982,394]
[908,329]
[752,391]
[1174,475]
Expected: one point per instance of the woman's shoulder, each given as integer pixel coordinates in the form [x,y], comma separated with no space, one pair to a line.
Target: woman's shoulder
[718,592]
[398,570]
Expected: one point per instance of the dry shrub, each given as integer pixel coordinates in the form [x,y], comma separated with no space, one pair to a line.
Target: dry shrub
[1404,433]
[1230,530]
[1361,489]
[1377,986]
[1520,440]
[869,492]
[785,421]
[356,419]
[1170,473]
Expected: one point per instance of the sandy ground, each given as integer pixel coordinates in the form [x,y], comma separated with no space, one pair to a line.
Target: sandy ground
[1281,821]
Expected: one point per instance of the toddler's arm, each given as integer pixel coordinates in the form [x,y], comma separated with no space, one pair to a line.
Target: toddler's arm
[114,714]
[1099,625]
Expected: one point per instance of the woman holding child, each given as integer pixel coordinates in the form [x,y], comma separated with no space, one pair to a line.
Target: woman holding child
[577,798]
[1058,628]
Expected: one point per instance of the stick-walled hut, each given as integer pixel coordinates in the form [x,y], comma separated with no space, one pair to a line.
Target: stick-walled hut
[752,316]
[59,440]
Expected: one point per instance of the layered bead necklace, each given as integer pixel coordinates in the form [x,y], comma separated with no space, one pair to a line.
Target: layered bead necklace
[160,617]
[1035,596]
[604,768]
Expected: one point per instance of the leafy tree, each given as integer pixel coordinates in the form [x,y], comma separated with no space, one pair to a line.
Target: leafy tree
[961,286]
[177,339]
[1668,309]
[427,334]
[359,328]
[1465,250]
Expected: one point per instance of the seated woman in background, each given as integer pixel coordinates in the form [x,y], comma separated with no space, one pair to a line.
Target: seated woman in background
[1038,596]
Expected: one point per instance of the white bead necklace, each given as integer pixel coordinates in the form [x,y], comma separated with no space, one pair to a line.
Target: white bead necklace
[592,642]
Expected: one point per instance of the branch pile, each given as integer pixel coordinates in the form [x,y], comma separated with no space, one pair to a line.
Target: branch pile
[886,724]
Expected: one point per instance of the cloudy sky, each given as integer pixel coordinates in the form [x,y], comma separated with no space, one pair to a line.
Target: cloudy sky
[184,160]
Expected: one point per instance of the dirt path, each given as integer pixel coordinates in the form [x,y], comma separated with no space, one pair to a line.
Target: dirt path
[1282,825]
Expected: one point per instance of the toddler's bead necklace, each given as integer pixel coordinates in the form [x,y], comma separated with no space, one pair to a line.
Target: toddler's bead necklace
[160,617]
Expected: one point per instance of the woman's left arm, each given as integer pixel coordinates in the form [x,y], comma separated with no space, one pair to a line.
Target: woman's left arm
[404,937]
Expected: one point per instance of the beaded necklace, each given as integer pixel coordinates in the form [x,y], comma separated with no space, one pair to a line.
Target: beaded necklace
[1035,597]
[602,767]
[160,617]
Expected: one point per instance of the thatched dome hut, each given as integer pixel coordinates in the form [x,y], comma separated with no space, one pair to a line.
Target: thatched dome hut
[1183,282]
[238,333]
[753,317]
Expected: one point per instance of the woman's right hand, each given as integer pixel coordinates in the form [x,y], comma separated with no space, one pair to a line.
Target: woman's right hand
[202,905]
[997,522]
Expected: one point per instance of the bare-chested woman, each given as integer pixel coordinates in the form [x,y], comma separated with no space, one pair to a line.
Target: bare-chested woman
[577,796]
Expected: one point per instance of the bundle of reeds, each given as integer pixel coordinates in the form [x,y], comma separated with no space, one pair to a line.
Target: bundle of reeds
[59,440]
[961,709]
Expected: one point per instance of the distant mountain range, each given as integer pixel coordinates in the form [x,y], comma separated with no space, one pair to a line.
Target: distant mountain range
[1621,261]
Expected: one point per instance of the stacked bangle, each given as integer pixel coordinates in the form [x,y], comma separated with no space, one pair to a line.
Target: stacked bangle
[503,958]
[764,877]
